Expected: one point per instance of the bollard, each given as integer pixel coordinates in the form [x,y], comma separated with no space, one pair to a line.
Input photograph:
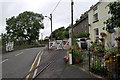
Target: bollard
[70,57]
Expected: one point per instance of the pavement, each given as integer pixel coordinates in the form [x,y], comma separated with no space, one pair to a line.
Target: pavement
[59,69]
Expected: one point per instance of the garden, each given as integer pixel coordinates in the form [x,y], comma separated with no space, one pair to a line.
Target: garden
[77,54]
[101,61]
[105,62]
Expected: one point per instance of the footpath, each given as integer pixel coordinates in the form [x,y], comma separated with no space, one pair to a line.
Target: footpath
[59,69]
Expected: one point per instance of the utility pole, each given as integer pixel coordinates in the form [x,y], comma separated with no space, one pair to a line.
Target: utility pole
[71,55]
[72,3]
[51,24]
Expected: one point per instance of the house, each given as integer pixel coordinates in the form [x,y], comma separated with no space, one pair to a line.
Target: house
[81,25]
[97,15]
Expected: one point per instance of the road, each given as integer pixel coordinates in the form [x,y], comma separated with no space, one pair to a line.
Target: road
[52,65]
[40,63]
[17,64]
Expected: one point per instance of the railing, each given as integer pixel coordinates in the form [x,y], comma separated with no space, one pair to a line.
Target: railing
[108,68]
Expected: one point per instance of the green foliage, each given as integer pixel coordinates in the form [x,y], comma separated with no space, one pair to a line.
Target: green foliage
[60,33]
[112,51]
[98,66]
[66,34]
[4,38]
[25,26]
[77,53]
[0,41]
[93,45]
[41,41]
[98,48]
[114,20]
[103,34]
[81,35]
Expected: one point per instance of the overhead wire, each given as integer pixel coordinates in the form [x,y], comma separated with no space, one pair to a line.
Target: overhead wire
[55,7]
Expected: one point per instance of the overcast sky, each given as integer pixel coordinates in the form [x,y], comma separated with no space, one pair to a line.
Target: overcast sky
[61,15]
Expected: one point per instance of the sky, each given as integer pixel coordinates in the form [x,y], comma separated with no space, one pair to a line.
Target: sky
[61,15]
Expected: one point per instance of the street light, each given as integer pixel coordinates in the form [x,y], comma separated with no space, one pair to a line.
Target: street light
[51,23]
[51,28]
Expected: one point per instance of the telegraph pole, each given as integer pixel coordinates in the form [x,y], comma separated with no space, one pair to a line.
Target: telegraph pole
[72,3]
[71,55]
[51,24]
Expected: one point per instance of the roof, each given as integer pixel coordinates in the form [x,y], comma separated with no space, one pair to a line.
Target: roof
[93,6]
[83,17]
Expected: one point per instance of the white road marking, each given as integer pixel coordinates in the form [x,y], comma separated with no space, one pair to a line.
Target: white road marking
[3,61]
[18,54]
[35,72]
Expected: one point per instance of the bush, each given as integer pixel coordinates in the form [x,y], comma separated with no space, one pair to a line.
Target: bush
[112,51]
[77,53]
[98,48]
[81,35]
[103,34]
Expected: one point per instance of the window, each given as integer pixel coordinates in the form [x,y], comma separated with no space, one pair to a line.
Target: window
[95,14]
[96,32]
[112,39]
[95,17]
[82,40]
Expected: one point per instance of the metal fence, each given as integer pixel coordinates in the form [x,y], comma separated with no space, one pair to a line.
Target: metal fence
[108,68]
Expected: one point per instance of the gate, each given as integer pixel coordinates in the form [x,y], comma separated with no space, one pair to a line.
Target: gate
[58,44]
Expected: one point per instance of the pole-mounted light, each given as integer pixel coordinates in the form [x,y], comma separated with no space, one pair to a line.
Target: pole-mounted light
[51,23]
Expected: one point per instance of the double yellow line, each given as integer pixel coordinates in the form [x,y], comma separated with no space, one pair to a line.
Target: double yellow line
[27,77]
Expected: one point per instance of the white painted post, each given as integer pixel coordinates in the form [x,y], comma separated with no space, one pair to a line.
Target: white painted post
[88,44]
[70,37]
[70,44]
[70,58]
[49,44]
[70,41]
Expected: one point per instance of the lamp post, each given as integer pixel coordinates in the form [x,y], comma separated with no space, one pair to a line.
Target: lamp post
[51,28]
[51,23]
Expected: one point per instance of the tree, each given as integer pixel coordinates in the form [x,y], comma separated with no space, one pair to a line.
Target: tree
[82,35]
[25,26]
[60,33]
[0,41]
[66,34]
[114,20]
[4,38]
